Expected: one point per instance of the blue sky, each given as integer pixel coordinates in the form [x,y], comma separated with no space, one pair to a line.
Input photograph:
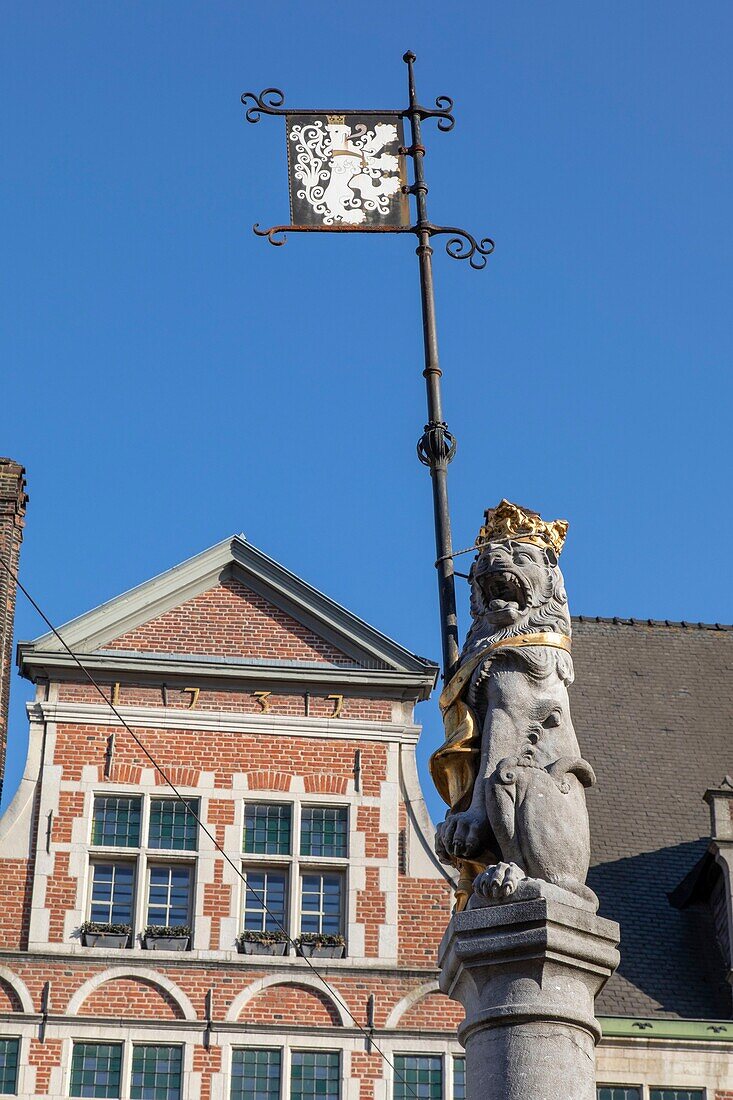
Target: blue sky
[170,379]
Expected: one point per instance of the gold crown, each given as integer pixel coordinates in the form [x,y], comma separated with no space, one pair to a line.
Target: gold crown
[510,521]
[336,120]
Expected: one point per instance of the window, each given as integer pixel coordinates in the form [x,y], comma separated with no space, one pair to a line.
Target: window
[95,1069]
[267,829]
[256,1074]
[618,1092]
[9,1066]
[459,1079]
[172,824]
[112,893]
[321,904]
[324,831]
[676,1094]
[314,1074]
[169,895]
[116,822]
[165,896]
[265,901]
[289,856]
[156,1073]
[418,1076]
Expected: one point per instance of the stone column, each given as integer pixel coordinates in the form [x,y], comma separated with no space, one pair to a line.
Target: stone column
[526,970]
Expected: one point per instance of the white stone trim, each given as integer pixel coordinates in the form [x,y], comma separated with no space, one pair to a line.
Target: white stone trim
[423,862]
[225,722]
[408,1001]
[136,973]
[260,984]
[19,987]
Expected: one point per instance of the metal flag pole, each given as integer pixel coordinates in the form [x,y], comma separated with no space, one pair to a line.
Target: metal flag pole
[323,150]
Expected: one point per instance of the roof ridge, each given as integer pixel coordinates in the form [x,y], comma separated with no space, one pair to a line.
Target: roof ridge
[618,620]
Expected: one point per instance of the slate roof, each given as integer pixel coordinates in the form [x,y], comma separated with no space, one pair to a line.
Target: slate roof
[653,709]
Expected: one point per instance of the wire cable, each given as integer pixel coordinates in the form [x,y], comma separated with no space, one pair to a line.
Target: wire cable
[186,802]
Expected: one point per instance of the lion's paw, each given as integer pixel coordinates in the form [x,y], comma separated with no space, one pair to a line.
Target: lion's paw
[499,881]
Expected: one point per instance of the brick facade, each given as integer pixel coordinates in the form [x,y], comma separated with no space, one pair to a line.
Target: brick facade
[13,501]
[219,745]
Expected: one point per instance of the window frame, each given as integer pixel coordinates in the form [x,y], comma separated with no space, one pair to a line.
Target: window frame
[447,1060]
[18,1039]
[127,1046]
[142,858]
[294,864]
[286,1050]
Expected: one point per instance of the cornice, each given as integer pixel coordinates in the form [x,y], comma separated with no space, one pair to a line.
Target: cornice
[349,729]
[53,665]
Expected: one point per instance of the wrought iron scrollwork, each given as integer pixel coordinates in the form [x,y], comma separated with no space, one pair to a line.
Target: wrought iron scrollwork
[463,246]
[436,444]
[442,111]
[268,102]
[271,232]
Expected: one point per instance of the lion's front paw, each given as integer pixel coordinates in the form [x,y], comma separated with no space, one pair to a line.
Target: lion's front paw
[499,881]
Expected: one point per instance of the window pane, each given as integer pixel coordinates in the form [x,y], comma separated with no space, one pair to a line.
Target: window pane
[324,831]
[267,829]
[321,906]
[112,893]
[116,822]
[156,1073]
[169,894]
[676,1094]
[618,1092]
[418,1077]
[9,1066]
[459,1078]
[172,825]
[270,888]
[95,1069]
[314,1074]
[255,1074]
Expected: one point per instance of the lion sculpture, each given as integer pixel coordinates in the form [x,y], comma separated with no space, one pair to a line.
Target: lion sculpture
[510,768]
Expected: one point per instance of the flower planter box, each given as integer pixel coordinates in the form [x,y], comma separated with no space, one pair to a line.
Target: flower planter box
[106,939]
[322,950]
[166,943]
[251,947]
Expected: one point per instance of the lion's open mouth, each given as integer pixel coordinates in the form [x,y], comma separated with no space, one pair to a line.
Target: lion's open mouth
[503,591]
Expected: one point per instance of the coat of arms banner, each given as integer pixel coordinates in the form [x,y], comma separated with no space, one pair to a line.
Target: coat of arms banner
[347,170]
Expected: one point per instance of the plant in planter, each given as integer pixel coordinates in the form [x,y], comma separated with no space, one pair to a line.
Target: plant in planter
[262,943]
[166,937]
[96,933]
[320,946]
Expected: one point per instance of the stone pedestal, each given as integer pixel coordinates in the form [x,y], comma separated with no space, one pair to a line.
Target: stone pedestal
[526,970]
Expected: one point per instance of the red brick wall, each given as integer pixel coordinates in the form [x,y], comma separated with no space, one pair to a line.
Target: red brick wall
[13,502]
[230,620]
[45,1055]
[234,701]
[432,1013]
[371,911]
[221,753]
[60,896]
[133,997]
[291,1004]
[433,900]
[9,999]
[206,1062]
[15,902]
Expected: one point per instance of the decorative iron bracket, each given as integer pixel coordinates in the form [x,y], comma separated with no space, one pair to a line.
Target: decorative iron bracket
[461,246]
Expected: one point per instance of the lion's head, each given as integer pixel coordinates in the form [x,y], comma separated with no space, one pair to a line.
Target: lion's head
[516,588]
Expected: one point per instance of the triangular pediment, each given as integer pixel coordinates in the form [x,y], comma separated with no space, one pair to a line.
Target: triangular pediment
[232,603]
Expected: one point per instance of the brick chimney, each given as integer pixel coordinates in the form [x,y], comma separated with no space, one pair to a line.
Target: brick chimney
[13,502]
